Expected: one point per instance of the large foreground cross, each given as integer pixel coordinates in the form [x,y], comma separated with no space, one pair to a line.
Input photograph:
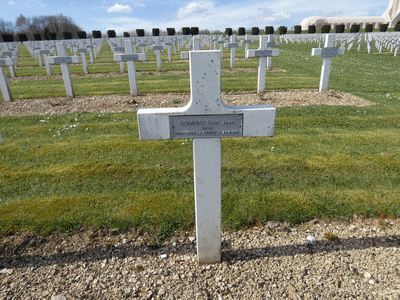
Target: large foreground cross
[206,119]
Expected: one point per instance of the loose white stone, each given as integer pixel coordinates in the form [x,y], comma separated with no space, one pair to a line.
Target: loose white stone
[367,275]
[310,240]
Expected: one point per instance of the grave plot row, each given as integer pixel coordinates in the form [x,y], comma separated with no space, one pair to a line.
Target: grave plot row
[265,54]
[10,50]
[381,40]
[64,60]
[46,48]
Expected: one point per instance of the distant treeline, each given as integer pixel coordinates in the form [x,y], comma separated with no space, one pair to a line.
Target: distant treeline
[38,28]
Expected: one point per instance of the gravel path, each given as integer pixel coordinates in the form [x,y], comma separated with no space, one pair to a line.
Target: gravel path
[119,103]
[321,259]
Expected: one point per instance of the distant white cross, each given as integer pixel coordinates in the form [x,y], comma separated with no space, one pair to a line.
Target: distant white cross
[206,119]
[5,88]
[63,59]
[246,41]
[13,56]
[263,53]
[82,50]
[233,45]
[157,51]
[195,46]
[327,53]
[130,58]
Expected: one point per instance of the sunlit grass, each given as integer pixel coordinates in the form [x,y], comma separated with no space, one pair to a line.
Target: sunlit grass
[323,161]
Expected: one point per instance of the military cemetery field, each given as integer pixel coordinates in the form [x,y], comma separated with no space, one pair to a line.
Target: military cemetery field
[64,172]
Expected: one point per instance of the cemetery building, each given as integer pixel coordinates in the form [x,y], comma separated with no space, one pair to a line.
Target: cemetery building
[391,16]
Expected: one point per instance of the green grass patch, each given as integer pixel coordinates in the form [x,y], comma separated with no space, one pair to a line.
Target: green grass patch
[64,172]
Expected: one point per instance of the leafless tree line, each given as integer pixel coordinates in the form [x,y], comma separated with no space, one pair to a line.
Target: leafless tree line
[40,25]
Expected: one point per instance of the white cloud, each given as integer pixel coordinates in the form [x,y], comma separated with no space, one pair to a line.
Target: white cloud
[195,8]
[205,14]
[120,8]
[138,4]
[11,2]
[34,3]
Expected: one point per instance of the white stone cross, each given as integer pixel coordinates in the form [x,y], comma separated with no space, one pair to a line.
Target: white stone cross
[246,42]
[130,58]
[221,43]
[5,88]
[233,45]
[63,59]
[82,50]
[157,47]
[118,49]
[43,50]
[13,56]
[270,44]
[327,53]
[195,46]
[263,53]
[168,45]
[206,119]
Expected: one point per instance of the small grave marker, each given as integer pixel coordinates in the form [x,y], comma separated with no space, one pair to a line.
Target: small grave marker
[327,53]
[168,45]
[13,56]
[206,119]
[263,53]
[63,59]
[82,50]
[233,45]
[246,42]
[195,46]
[130,58]
[5,88]
[157,51]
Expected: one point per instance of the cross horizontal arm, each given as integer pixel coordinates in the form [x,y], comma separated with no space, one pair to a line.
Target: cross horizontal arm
[328,52]
[205,102]
[6,62]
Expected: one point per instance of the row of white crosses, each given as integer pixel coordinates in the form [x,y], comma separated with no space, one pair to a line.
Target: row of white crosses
[206,119]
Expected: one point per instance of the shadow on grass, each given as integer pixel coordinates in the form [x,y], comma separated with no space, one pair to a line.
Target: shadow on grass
[17,257]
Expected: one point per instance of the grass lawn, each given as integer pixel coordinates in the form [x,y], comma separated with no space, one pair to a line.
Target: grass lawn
[64,172]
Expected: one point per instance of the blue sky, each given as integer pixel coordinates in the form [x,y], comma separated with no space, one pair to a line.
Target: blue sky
[129,15]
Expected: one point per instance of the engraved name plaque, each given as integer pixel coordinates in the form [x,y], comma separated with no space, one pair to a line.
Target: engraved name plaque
[127,57]
[206,126]
[62,60]
[329,52]
[263,53]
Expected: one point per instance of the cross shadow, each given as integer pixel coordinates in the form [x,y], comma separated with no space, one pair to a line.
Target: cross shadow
[96,253]
[324,246]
